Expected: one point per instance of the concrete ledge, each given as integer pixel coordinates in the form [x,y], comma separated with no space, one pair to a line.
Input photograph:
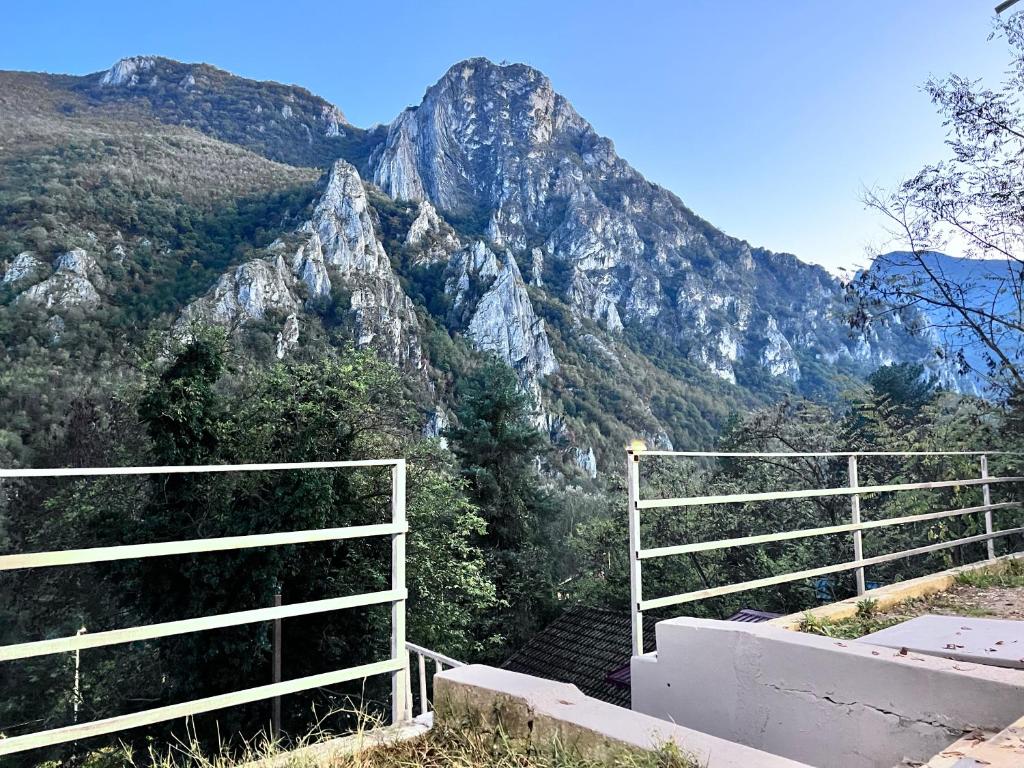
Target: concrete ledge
[891,594]
[540,714]
[826,702]
[1002,750]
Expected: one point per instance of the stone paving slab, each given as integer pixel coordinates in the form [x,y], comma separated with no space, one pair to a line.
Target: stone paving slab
[996,642]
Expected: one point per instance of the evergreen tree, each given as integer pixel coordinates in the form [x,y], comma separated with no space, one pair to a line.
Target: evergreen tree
[497,446]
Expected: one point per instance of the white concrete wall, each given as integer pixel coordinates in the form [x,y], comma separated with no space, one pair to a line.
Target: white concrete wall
[825,702]
[539,714]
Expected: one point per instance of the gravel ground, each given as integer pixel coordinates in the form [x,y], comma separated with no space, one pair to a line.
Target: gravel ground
[962,600]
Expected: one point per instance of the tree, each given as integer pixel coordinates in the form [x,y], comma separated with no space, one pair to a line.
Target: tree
[904,385]
[497,446]
[970,201]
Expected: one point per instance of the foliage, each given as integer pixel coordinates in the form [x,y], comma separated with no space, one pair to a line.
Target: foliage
[349,406]
[496,445]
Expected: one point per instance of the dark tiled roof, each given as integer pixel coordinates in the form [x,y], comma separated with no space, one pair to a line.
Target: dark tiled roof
[751,616]
[584,646]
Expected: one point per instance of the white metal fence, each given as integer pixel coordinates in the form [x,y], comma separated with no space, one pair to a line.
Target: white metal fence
[440,663]
[638,604]
[396,665]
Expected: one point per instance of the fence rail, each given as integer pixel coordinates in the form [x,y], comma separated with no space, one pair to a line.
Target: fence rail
[396,665]
[440,662]
[856,526]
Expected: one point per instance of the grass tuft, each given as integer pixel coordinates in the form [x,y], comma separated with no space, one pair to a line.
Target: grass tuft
[444,747]
[1008,574]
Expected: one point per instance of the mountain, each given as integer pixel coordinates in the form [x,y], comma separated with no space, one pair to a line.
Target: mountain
[986,284]
[489,219]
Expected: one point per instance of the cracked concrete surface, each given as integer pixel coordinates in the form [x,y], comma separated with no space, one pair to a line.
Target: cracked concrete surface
[824,702]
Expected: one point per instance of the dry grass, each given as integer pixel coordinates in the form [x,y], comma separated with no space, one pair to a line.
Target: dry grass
[440,747]
[444,747]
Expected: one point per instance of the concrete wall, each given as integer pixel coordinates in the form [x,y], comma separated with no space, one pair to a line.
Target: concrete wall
[539,714]
[828,703]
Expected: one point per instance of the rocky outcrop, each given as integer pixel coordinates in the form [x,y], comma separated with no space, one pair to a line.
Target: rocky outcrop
[502,320]
[436,425]
[251,292]
[128,71]
[25,267]
[288,336]
[334,120]
[431,236]
[777,356]
[337,247]
[586,461]
[76,282]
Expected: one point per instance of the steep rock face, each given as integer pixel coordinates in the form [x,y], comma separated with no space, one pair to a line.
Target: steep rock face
[497,145]
[502,319]
[431,235]
[337,247]
[127,71]
[437,424]
[777,357]
[586,461]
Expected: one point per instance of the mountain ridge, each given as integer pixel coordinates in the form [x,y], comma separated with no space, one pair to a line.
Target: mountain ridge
[490,218]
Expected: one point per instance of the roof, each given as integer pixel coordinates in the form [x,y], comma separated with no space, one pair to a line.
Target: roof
[751,616]
[591,648]
[584,646]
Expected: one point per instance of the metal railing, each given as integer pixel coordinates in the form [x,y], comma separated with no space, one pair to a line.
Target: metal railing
[638,605]
[440,662]
[396,665]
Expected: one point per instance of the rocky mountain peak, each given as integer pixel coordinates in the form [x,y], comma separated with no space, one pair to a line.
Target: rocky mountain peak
[128,71]
[496,147]
[479,116]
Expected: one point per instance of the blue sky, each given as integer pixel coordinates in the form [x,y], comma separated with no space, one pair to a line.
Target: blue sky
[767,118]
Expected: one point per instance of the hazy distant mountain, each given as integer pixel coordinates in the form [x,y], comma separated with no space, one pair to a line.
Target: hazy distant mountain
[491,217]
[982,283]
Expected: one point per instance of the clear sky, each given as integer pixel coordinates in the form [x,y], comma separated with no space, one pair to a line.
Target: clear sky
[766,117]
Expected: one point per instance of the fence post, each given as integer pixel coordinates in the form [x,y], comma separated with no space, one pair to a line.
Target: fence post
[275,712]
[423,684]
[78,678]
[635,590]
[858,536]
[986,499]
[400,706]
